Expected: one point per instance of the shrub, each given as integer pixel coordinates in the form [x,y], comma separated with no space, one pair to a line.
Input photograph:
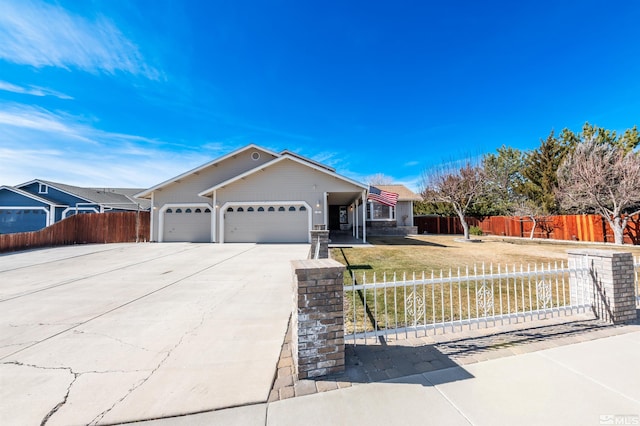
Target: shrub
[475,230]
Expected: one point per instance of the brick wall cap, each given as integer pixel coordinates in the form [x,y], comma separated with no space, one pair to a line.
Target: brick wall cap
[316,264]
[597,252]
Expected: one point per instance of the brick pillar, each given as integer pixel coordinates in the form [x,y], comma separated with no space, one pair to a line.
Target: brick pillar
[318,319]
[319,237]
[607,281]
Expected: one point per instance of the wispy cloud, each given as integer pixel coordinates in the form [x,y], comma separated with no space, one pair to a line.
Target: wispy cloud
[38,143]
[42,120]
[31,90]
[41,35]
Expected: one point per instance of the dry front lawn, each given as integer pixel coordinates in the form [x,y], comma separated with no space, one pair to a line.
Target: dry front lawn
[441,252]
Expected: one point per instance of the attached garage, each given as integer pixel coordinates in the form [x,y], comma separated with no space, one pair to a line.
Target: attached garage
[255,196]
[266,223]
[22,219]
[186,224]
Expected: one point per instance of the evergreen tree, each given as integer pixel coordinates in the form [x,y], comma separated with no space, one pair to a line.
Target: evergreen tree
[540,171]
[503,185]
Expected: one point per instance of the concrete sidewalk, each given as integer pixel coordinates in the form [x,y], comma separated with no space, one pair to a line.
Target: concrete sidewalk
[589,383]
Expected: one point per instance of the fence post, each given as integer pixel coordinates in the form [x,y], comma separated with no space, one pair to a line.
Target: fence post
[318,318]
[606,280]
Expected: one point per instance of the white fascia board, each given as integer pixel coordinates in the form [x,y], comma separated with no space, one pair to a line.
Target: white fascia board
[309,160]
[147,193]
[53,185]
[206,192]
[28,183]
[28,195]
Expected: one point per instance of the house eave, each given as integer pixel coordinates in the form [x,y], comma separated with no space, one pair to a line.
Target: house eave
[28,195]
[147,193]
[209,191]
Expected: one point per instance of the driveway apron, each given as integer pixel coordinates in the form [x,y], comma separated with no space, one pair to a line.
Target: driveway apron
[108,334]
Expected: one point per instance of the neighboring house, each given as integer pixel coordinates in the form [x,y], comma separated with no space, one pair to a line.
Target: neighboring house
[37,204]
[396,220]
[21,211]
[256,195]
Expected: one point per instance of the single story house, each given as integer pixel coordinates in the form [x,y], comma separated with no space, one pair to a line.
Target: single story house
[254,194]
[39,203]
[397,220]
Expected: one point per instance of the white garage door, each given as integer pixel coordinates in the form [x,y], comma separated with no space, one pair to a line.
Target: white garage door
[266,224]
[188,224]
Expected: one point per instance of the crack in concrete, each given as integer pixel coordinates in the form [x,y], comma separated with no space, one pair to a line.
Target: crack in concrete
[55,409]
[76,376]
[79,373]
[101,415]
[113,338]
[66,396]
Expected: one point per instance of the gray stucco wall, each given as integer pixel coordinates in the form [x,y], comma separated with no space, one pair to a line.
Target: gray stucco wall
[186,190]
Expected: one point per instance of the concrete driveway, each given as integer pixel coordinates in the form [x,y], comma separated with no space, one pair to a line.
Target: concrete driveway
[114,333]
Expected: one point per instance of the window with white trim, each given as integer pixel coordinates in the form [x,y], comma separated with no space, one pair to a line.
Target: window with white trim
[43,188]
[377,211]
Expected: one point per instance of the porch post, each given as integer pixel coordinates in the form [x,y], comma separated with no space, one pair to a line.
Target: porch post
[364,217]
[353,220]
[356,221]
[326,211]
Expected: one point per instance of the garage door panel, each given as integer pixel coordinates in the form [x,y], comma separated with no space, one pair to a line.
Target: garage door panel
[187,227]
[22,220]
[267,226]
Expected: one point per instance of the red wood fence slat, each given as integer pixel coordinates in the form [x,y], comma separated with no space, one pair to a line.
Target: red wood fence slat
[122,227]
[567,227]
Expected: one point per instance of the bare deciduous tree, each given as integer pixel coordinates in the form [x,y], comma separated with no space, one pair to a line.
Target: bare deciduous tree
[379,179]
[459,188]
[530,209]
[601,178]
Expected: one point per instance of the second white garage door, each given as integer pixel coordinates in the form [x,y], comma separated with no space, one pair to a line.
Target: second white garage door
[266,224]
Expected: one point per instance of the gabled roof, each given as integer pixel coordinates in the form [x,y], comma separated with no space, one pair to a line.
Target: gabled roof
[108,197]
[404,193]
[130,193]
[308,160]
[284,157]
[27,194]
[147,193]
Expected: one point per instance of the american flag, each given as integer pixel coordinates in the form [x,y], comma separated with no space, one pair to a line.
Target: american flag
[383,197]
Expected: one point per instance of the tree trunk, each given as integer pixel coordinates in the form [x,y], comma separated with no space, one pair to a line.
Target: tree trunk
[618,230]
[465,226]
[533,229]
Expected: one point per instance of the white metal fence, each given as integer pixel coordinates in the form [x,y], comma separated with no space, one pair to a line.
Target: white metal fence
[454,300]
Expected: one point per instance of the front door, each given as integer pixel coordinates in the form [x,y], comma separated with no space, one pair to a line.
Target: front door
[334,218]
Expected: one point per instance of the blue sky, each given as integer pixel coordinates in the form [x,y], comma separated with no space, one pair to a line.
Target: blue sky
[130,93]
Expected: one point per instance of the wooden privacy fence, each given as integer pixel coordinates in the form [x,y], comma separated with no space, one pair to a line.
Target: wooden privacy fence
[124,227]
[566,227]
